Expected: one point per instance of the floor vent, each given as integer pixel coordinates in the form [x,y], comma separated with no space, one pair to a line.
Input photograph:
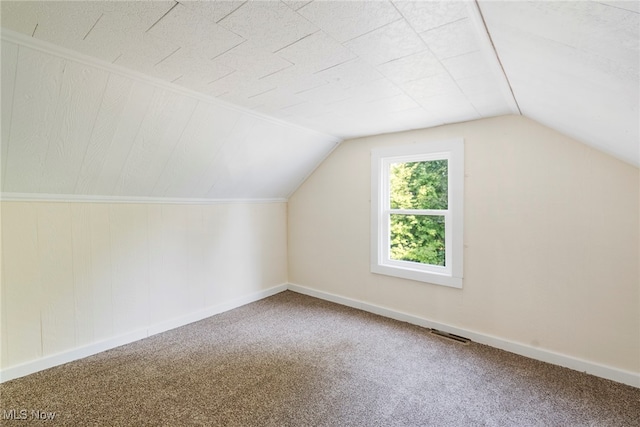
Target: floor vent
[453,337]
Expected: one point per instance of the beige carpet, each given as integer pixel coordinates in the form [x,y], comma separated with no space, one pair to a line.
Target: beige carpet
[292,360]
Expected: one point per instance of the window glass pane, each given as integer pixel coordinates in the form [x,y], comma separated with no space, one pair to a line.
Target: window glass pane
[417,238]
[419,185]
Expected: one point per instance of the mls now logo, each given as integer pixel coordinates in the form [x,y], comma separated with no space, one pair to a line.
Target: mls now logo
[23,414]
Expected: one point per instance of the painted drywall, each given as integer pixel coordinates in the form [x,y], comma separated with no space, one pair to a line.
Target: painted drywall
[551,257]
[75,274]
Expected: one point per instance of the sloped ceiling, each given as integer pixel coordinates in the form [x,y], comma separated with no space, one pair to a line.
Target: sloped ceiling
[575,67]
[232,99]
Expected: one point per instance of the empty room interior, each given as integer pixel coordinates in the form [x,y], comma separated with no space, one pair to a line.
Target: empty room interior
[392,212]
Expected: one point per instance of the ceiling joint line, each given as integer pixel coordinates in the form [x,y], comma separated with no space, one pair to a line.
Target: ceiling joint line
[460,54]
[617,7]
[293,105]
[166,57]
[277,71]
[444,25]
[403,57]
[300,39]
[228,50]
[162,17]
[93,26]
[262,93]
[337,65]
[222,77]
[495,51]
[311,88]
[375,29]
[230,13]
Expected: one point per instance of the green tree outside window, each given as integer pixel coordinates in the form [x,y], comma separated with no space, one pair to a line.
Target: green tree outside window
[418,237]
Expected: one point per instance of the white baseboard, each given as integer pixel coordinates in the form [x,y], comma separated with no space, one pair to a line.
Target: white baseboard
[47,362]
[603,371]
[216,309]
[614,374]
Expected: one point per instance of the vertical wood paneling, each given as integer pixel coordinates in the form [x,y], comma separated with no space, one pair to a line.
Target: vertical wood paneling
[223,255]
[128,125]
[82,285]
[113,102]
[159,133]
[196,277]
[75,274]
[157,280]
[37,89]
[21,286]
[130,262]
[174,261]
[9,52]
[212,217]
[81,92]
[101,272]
[56,263]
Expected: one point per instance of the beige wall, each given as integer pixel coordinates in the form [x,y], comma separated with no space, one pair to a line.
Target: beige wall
[551,240]
[74,274]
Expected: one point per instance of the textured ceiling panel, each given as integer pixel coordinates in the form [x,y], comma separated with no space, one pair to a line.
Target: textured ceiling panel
[393,41]
[574,66]
[271,25]
[188,29]
[453,39]
[316,52]
[346,20]
[269,55]
[344,68]
[427,15]
[412,67]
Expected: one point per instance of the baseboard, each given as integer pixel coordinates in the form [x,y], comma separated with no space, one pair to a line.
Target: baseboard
[216,309]
[57,359]
[603,371]
[47,362]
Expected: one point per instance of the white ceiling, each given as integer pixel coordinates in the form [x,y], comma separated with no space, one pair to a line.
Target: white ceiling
[257,93]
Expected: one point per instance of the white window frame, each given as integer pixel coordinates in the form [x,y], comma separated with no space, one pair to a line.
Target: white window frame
[381,263]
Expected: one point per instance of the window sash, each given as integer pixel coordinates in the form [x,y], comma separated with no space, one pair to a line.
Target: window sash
[448,241]
[381,159]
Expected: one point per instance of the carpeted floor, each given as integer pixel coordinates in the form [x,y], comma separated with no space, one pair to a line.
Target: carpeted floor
[292,360]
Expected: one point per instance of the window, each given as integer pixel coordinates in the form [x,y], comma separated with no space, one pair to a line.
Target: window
[416,211]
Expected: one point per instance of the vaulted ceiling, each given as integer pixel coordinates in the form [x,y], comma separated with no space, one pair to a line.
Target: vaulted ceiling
[233,99]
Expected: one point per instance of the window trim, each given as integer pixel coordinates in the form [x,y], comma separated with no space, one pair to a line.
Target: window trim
[452,273]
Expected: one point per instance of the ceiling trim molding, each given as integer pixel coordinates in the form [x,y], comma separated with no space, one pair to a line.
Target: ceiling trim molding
[490,52]
[49,48]
[81,198]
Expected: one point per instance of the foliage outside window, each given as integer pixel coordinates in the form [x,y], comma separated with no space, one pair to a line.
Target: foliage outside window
[417,212]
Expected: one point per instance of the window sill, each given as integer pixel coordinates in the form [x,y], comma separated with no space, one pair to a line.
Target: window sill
[418,275]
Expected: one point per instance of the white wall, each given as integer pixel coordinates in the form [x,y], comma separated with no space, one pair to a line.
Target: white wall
[551,241]
[76,274]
